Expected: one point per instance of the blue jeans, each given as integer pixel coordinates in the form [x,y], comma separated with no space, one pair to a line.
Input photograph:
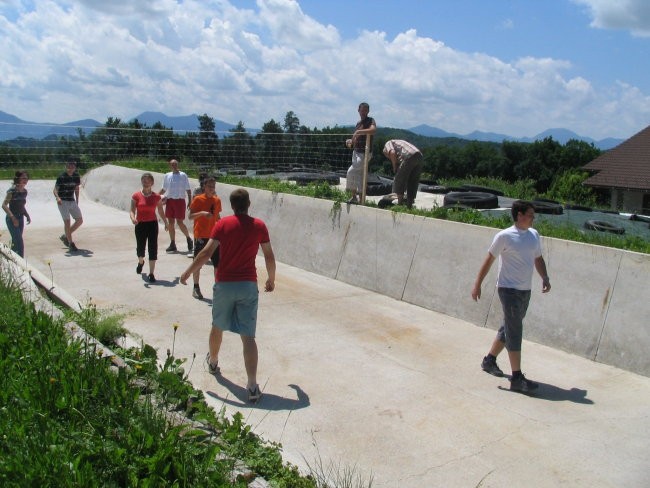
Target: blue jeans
[17,244]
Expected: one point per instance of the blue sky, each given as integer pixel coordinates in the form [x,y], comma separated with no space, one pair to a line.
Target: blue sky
[516,67]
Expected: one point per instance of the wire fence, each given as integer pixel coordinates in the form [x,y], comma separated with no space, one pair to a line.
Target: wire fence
[238,153]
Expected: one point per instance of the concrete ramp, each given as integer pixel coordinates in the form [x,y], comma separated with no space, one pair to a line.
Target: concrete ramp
[381,380]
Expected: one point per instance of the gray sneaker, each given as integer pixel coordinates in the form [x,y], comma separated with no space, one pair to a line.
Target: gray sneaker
[255,394]
[196,293]
[522,385]
[64,240]
[72,247]
[212,369]
[490,366]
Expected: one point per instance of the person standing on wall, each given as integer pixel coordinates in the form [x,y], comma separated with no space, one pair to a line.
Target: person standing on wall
[366,127]
[204,211]
[407,166]
[176,187]
[66,192]
[14,206]
[519,250]
[235,294]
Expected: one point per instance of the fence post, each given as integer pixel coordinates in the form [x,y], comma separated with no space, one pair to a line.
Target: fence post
[365,171]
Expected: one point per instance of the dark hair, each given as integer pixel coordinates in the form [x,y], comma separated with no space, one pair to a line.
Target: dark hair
[239,200]
[20,174]
[520,206]
[364,104]
[208,179]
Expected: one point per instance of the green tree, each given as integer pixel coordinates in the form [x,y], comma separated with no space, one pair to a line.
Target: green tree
[568,187]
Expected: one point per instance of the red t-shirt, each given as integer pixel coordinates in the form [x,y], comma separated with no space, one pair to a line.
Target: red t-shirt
[239,239]
[146,206]
[203,203]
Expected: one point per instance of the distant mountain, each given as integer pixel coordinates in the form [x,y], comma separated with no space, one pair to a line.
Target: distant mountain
[560,135]
[189,123]
[11,127]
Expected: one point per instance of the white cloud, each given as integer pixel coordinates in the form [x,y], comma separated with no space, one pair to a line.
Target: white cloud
[66,60]
[632,15]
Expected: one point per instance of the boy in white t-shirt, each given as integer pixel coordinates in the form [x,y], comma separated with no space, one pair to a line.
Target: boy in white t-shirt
[519,250]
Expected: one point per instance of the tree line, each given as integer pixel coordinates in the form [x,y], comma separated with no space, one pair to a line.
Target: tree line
[288,144]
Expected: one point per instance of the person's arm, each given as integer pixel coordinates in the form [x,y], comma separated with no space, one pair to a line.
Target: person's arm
[269,259]
[29,219]
[132,214]
[364,132]
[189,198]
[392,156]
[5,207]
[482,273]
[200,259]
[161,213]
[56,192]
[76,193]
[540,266]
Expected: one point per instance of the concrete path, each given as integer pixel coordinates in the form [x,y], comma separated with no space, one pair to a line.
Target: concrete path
[356,378]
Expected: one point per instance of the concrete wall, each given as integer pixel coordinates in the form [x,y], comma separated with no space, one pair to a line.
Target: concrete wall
[598,307]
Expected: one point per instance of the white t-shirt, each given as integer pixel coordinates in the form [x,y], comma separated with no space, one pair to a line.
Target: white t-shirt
[176,185]
[517,250]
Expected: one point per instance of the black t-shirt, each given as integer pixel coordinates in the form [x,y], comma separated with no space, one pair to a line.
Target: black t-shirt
[360,143]
[66,185]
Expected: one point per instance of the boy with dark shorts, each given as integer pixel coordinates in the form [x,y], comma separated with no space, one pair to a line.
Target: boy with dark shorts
[66,193]
[235,293]
[204,211]
[519,250]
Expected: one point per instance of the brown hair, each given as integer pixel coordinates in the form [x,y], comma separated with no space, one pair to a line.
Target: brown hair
[20,174]
[239,201]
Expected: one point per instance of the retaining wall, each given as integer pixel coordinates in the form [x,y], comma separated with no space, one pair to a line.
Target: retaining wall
[598,307]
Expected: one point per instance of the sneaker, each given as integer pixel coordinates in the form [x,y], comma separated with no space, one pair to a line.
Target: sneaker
[490,366]
[196,293]
[152,278]
[64,240]
[172,247]
[213,369]
[255,394]
[190,244]
[521,384]
[72,247]
[138,268]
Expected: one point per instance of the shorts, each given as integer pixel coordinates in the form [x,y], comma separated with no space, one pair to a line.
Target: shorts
[69,208]
[515,304]
[199,244]
[175,208]
[234,306]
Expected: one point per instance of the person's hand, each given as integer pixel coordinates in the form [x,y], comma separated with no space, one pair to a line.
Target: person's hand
[14,221]
[166,225]
[184,277]
[270,285]
[476,293]
[546,285]
[135,221]
[29,220]
[58,201]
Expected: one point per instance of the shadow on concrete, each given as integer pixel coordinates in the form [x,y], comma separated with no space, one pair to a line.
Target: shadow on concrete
[84,253]
[268,401]
[556,394]
[158,282]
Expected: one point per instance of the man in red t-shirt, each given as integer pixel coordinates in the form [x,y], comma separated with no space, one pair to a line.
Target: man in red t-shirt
[235,293]
[204,211]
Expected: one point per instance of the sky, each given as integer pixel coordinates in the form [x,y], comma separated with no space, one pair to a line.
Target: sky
[514,67]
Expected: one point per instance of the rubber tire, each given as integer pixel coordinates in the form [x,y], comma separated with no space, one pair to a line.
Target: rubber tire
[548,207]
[439,189]
[603,226]
[482,189]
[471,199]
[306,178]
[373,189]
[569,206]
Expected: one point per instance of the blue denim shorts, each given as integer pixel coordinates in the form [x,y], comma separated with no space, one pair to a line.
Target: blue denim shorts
[515,304]
[234,306]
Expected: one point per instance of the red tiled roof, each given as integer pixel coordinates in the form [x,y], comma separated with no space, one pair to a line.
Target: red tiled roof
[627,166]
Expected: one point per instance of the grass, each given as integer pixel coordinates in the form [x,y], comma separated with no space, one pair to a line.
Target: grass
[69,419]
[469,216]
